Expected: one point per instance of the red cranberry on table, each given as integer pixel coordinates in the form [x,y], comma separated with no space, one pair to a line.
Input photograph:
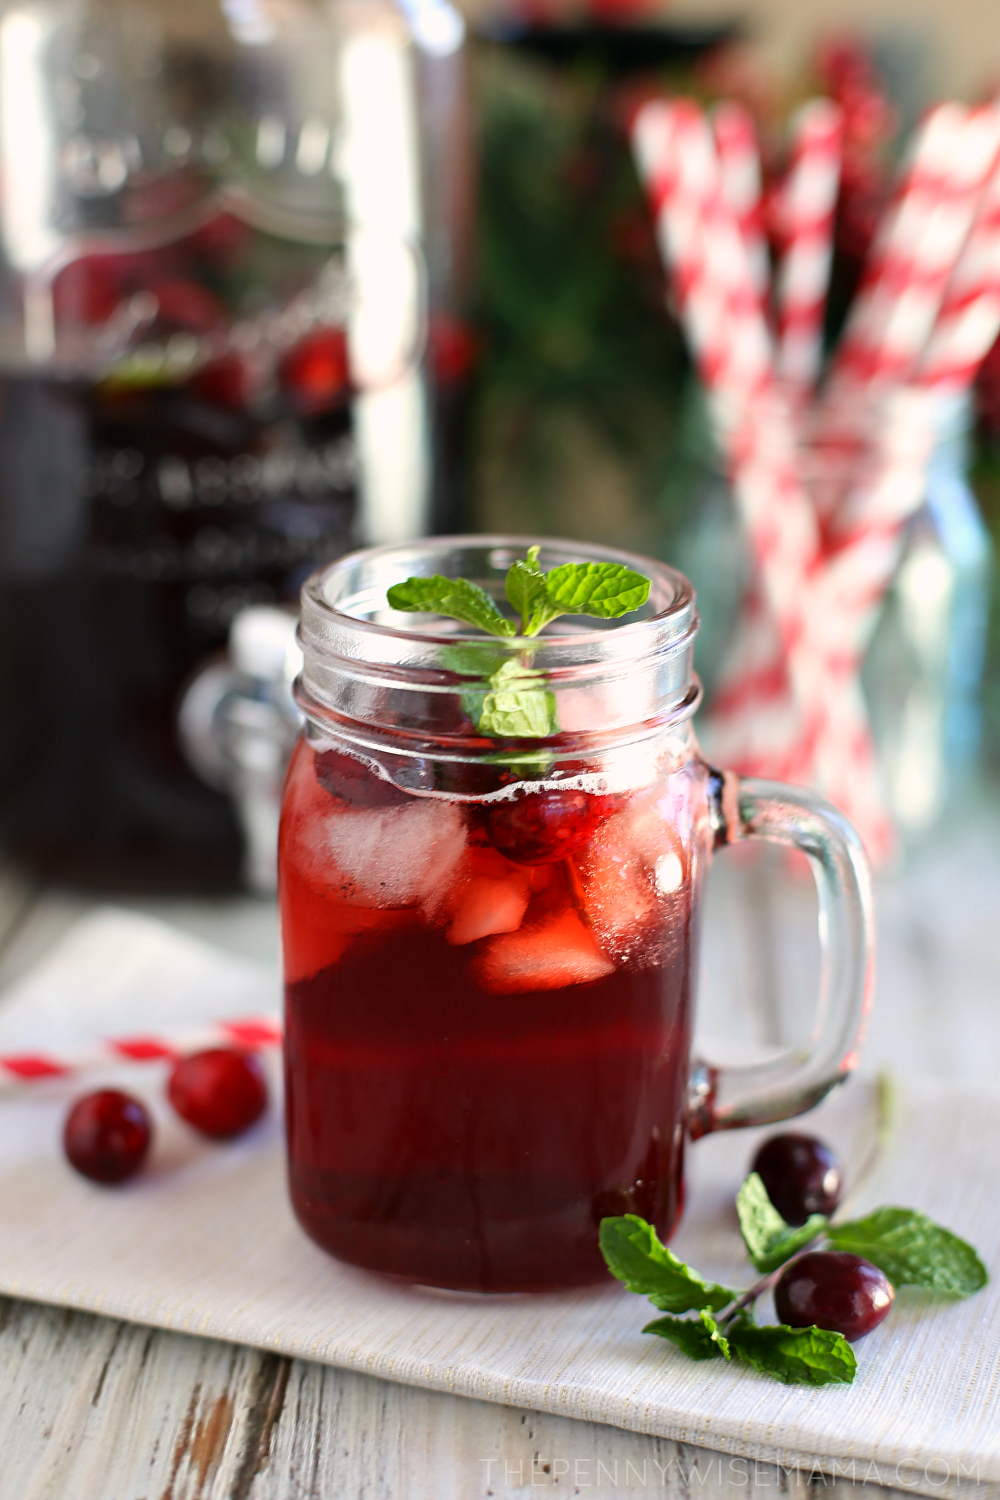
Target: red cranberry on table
[835,1290]
[221,1092]
[107,1136]
[540,828]
[801,1174]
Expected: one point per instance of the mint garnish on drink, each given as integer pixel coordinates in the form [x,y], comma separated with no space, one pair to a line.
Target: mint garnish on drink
[602,589]
[861,1259]
[507,697]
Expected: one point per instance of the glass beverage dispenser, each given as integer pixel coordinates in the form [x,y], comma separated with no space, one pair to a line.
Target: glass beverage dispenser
[218,226]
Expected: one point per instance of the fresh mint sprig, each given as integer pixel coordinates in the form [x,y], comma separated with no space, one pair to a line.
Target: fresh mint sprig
[906,1245]
[601,589]
[724,1328]
[795,1356]
[505,696]
[518,705]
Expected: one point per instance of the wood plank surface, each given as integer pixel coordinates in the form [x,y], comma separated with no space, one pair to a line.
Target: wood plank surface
[94,1408]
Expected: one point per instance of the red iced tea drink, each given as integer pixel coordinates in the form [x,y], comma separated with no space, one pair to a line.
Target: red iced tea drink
[488,1014]
[492,848]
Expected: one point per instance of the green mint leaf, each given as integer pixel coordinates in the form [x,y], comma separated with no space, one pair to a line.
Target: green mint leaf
[477,661]
[518,705]
[605,590]
[503,696]
[632,1251]
[711,1327]
[698,1340]
[795,1356]
[769,1240]
[526,589]
[691,1337]
[455,597]
[913,1251]
[472,659]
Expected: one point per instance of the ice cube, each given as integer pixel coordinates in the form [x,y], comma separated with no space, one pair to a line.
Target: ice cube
[391,857]
[549,955]
[316,934]
[399,856]
[485,905]
[632,876]
[318,926]
[668,873]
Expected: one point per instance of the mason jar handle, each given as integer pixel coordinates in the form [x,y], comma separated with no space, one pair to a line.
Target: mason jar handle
[725,1098]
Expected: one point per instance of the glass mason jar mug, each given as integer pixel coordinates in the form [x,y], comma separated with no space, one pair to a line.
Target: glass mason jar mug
[490,943]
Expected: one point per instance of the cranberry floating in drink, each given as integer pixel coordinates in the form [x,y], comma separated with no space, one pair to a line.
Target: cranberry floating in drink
[492,853]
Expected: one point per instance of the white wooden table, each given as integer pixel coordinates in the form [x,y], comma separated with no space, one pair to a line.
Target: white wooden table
[91,1409]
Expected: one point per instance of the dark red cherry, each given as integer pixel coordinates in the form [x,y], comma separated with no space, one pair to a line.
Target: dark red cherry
[538,828]
[835,1290]
[89,290]
[187,305]
[316,372]
[355,783]
[220,1091]
[107,1135]
[221,239]
[452,347]
[801,1174]
[225,382]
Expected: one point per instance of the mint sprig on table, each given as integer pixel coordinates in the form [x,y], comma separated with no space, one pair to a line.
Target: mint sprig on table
[507,697]
[906,1245]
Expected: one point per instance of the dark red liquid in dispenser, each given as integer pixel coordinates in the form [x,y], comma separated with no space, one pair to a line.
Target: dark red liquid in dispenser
[168,477]
[483,1057]
[134,523]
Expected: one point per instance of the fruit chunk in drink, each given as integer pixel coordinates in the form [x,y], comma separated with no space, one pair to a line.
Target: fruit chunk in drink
[488,1015]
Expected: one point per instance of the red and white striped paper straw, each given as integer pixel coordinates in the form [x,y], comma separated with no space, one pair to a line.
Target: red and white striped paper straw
[758,724]
[253,1033]
[917,189]
[702,245]
[702,248]
[969,321]
[808,203]
[740,176]
[894,314]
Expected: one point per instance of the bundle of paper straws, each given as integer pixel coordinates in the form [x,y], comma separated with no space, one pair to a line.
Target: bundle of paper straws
[824,480]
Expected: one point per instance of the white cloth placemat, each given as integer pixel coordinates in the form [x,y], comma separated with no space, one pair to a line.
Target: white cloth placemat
[204,1241]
